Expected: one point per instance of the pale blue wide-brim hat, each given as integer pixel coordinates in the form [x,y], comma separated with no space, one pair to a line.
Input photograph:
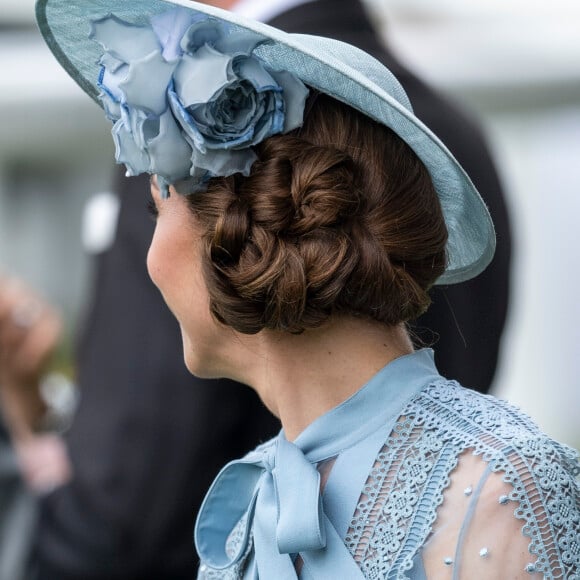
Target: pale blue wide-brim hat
[332,67]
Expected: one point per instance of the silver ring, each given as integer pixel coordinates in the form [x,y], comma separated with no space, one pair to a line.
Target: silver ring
[26,314]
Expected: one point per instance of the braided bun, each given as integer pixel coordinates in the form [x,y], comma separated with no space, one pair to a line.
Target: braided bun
[339,217]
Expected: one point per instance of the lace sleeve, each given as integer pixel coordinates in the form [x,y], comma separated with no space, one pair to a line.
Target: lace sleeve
[516,516]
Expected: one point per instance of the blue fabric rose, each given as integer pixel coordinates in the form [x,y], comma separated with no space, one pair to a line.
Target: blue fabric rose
[189,98]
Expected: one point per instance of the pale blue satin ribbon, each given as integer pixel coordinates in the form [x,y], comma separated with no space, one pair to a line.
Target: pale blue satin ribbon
[279,490]
[277,486]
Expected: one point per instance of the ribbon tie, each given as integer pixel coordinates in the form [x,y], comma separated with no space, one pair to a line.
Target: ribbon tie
[278,490]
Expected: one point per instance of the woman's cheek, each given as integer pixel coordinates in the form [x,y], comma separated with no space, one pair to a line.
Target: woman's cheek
[152,267]
[158,258]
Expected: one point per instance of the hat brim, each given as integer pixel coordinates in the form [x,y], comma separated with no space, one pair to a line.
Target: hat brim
[329,66]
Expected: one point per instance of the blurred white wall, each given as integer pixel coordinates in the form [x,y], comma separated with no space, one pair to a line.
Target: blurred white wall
[55,151]
[516,65]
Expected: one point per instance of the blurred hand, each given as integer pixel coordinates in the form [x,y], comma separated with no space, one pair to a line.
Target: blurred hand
[44,462]
[30,331]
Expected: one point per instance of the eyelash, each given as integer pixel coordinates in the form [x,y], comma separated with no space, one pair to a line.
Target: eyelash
[152,209]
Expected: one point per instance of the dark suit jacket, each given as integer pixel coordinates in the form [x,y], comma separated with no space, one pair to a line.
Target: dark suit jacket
[148,437]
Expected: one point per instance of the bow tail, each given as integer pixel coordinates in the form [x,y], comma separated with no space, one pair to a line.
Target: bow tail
[335,561]
[270,563]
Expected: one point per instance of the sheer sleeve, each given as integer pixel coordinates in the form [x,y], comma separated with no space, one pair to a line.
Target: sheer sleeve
[515,516]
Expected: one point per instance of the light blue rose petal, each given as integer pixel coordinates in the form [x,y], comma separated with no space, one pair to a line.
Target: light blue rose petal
[199,77]
[126,151]
[139,123]
[217,136]
[146,83]
[229,121]
[231,111]
[170,27]
[239,42]
[124,41]
[170,154]
[240,110]
[206,31]
[110,62]
[110,97]
[109,81]
[271,121]
[111,106]
[253,70]
[200,175]
[197,182]
[224,163]
[186,122]
[295,94]
[150,129]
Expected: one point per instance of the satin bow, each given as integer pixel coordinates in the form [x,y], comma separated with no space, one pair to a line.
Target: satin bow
[277,487]
[278,490]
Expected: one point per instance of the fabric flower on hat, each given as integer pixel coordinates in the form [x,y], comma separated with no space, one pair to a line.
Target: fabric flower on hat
[189,98]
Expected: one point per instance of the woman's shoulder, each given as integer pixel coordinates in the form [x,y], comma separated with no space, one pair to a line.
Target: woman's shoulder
[464,413]
[516,465]
[501,434]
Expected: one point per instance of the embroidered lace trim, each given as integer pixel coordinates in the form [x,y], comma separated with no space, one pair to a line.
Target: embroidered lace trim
[398,506]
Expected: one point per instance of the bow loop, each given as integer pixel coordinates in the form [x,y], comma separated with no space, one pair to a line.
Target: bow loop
[277,490]
[232,496]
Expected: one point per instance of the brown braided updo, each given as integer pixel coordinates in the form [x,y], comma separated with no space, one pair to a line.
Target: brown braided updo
[339,217]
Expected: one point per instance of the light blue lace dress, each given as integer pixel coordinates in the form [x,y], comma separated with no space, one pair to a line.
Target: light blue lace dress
[412,477]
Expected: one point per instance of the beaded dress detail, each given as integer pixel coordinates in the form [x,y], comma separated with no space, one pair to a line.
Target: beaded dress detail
[457,484]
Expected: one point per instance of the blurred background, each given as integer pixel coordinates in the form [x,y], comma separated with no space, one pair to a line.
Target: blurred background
[516,65]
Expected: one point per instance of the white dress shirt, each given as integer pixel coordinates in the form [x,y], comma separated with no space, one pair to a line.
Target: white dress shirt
[264,10]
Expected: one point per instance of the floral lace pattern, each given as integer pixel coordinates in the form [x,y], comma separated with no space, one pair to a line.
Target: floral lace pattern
[385,531]
[399,502]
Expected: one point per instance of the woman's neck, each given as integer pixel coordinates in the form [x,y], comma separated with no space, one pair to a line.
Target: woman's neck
[301,377]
